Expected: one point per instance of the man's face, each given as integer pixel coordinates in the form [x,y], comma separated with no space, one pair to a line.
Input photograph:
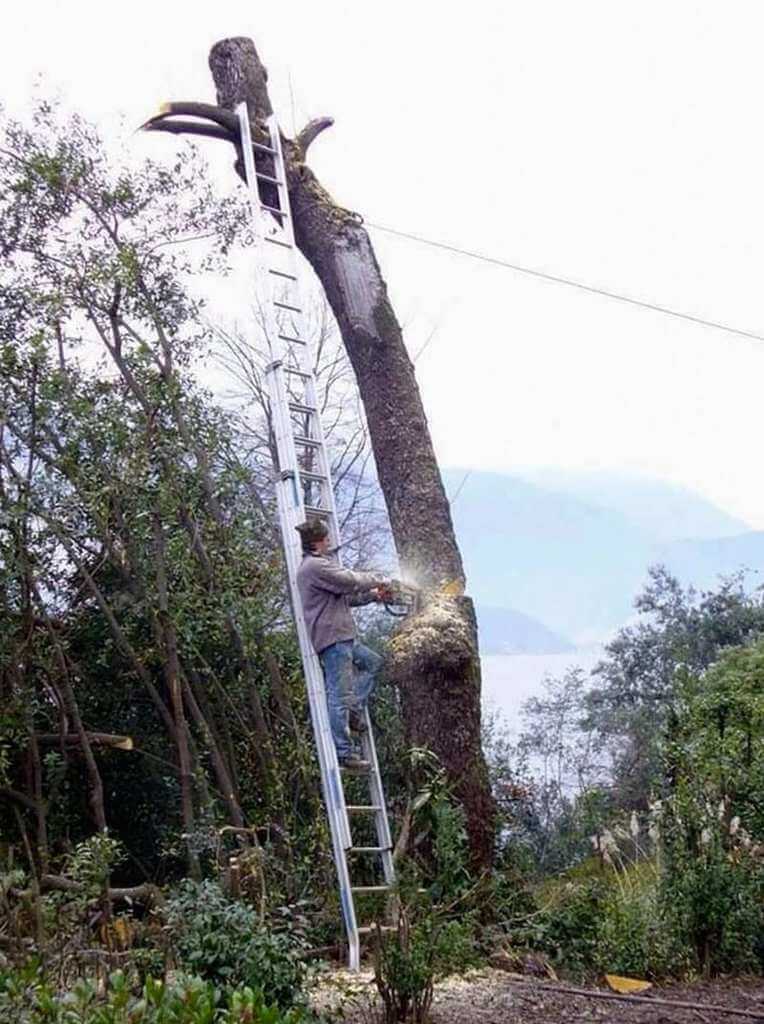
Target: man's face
[322,546]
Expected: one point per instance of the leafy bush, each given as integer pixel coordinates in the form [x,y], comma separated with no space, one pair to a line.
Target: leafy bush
[712,822]
[713,884]
[438,906]
[569,926]
[27,998]
[225,942]
[407,963]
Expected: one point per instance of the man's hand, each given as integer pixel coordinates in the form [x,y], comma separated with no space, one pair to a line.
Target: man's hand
[383,593]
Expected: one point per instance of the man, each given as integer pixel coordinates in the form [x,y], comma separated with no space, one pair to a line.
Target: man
[327,591]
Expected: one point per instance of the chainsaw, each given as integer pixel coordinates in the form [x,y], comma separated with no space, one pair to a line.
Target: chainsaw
[399,598]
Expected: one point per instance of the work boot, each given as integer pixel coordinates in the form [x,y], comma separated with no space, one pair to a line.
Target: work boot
[357,721]
[353,762]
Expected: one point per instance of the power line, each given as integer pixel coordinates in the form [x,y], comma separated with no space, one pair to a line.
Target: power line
[570,282]
[466,476]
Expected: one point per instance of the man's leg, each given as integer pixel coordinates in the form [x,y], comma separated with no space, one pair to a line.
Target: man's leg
[367,663]
[337,663]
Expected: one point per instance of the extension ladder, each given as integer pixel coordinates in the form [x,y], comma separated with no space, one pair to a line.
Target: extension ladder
[304,488]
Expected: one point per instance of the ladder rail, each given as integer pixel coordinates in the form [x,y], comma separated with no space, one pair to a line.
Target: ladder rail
[308,354]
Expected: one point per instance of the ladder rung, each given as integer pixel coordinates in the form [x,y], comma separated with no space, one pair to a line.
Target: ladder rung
[309,442]
[370,888]
[297,373]
[282,273]
[267,177]
[278,241]
[358,808]
[265,149]
[369,849]
[311,476]
[292,341]
[367,929]
[273,209]
[299,407]
[285,305]
[316,511]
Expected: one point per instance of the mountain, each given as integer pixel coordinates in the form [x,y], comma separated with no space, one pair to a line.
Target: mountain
[572,565]
[505,631]
[701,562]
[574,558]
[666,511]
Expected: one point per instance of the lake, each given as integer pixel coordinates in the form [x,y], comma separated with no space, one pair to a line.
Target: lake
[510,679]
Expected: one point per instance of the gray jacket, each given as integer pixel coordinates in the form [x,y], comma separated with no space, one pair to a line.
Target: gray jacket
[327,591]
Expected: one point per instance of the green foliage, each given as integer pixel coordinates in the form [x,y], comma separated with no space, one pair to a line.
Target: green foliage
[27,998]
[101,406]
[408,962]
[689,898]
[679,630]
[93,860]
[712,821]
[438,906]
[225,942]
[569,926]
[608,919]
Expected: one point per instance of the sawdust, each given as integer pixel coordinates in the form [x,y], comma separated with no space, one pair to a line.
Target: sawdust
[438,638]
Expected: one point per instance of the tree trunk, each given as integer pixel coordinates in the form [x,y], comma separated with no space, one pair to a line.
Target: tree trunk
[171,666]
[438,669]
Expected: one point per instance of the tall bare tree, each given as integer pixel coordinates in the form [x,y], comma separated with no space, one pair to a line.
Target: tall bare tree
[435,657]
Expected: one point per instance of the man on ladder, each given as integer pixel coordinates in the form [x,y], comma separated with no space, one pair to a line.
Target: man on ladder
[327,591]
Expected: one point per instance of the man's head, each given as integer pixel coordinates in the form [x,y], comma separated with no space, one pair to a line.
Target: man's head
[315,536]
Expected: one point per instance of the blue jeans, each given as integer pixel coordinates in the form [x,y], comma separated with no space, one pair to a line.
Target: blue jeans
[350,671]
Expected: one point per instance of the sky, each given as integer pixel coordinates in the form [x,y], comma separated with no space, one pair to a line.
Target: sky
[618,145]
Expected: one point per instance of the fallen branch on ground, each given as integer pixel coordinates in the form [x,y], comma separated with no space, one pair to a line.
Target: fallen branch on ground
[677,1004]
[148,894]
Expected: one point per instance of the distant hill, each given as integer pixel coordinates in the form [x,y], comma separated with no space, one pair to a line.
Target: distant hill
[571,565]
[666,511]
[505,631]
[575,564]
[701,562]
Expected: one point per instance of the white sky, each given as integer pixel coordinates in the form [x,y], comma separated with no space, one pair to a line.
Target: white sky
[617,144]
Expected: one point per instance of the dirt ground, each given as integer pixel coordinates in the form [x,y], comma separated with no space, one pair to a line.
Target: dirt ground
[493,997]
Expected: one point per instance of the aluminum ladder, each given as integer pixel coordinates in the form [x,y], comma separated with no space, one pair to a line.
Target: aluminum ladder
[304,488]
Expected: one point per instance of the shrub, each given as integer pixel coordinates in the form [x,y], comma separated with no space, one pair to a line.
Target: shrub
[713,884]
[611,918]
[225,942]
[27,998]
[568,928]
[712,822]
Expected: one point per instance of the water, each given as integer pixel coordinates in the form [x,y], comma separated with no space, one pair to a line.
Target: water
[510,679]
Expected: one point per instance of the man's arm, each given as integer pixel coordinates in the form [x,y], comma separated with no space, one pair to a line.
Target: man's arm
[363,597]
[344,581]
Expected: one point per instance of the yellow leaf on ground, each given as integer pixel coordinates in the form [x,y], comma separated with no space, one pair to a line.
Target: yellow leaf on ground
[627,986]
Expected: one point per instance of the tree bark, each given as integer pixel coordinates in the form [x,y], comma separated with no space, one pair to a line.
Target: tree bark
[442,698]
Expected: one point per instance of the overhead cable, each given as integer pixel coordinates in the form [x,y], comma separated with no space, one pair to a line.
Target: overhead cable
[570,282]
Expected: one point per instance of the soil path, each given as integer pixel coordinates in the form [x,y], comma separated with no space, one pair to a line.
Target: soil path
[493,997]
